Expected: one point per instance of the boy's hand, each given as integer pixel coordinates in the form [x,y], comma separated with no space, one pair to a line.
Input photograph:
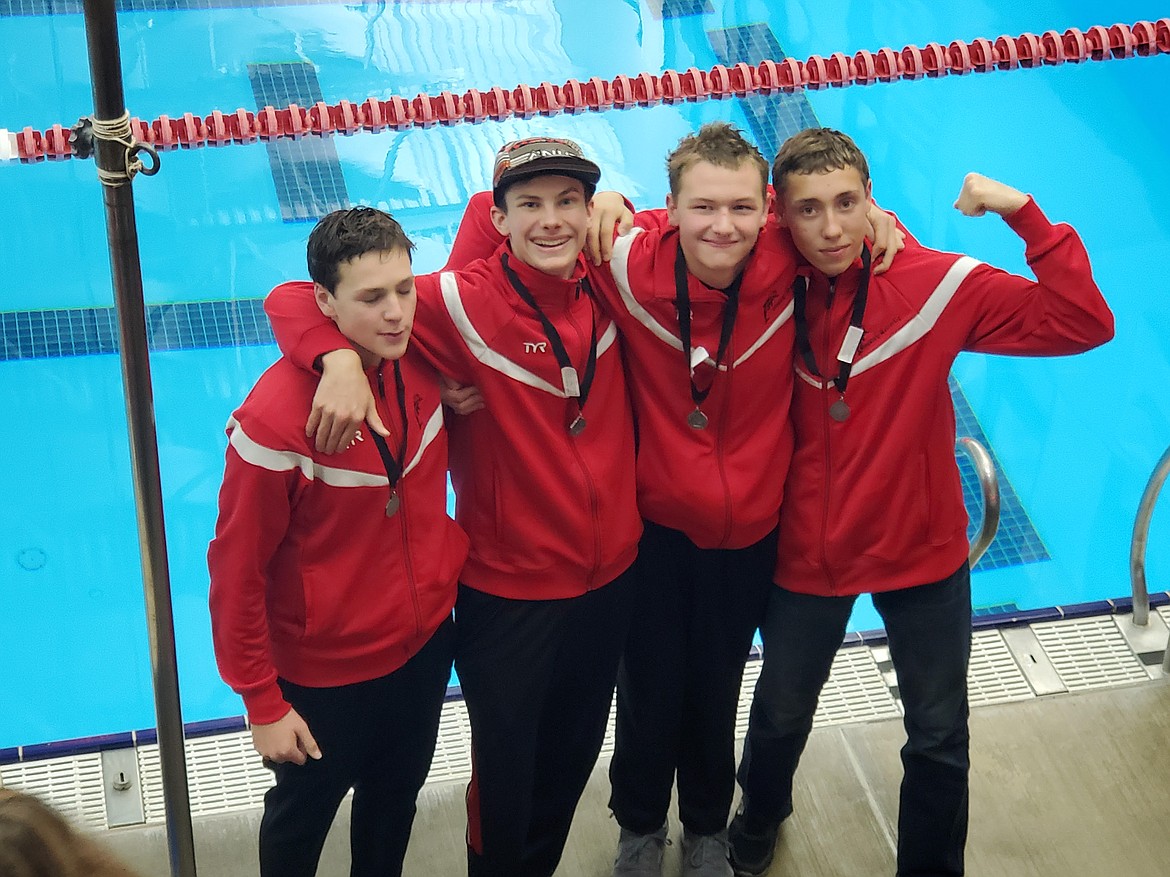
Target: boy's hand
[887,238]
[342,403]
[980,194]
[287,739]
[609,212]
[459,398]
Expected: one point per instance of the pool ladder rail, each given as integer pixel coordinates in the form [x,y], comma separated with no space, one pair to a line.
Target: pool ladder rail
[989,484]
[1137,550]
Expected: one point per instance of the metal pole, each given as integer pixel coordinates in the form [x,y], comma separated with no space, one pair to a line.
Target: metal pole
[101,30]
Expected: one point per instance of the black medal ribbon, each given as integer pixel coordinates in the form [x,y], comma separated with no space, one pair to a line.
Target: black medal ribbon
[682,302]
[838,410]
[393,466]
[558,346]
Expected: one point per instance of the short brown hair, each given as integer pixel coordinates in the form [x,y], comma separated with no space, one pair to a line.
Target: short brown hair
[818,150]
[36,841]
[719,144]
[348,234]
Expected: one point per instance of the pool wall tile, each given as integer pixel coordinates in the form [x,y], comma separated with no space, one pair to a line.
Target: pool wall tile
[305,171]
[772,118]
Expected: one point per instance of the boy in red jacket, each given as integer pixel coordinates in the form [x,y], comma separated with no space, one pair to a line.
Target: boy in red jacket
[333,579]
[544,479]
[874,503]
[709,276]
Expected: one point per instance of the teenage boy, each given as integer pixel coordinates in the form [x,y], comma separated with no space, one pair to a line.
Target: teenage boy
[709,276]
[874,502]
[332,581]
[544,479]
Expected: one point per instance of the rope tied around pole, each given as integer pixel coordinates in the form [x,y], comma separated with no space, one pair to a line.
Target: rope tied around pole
[118,131]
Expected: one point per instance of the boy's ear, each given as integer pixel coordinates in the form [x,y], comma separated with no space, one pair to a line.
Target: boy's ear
[500,220]
[324,300]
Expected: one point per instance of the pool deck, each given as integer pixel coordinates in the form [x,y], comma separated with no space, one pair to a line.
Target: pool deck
[1068,784]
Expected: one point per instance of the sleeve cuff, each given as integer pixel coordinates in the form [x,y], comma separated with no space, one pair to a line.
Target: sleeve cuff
[1029,221]
[265,705]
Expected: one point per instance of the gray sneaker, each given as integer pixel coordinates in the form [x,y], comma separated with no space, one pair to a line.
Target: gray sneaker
[640,855]
[705,855]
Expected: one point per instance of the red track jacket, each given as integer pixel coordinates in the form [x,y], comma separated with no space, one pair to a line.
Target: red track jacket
[549,515]
[310,580]
[721,486]
[875,503]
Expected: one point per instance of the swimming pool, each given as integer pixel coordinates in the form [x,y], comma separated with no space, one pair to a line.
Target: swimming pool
[1075,439]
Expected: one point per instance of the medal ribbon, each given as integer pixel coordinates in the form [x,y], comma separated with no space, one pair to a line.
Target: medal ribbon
[568,373]
[682,302]
[393,466]
[852,336]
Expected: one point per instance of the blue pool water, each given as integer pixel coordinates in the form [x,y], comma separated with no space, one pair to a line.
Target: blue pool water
[1075,438]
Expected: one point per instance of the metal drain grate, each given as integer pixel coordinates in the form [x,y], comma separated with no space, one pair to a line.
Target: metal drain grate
[224,773]
[1089,652]
[993,675]
[856,691]
[72,785]
[452,760]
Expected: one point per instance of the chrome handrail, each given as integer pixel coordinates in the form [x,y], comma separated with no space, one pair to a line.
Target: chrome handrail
[989,483]
[1137,549]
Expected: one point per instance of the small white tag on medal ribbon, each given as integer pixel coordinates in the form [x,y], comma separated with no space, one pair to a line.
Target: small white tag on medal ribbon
[850,344]
[698,354]
[569,380]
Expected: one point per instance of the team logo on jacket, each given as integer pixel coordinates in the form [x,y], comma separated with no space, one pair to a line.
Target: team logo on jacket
[418,418]
[773,301]
[536,347]
[357,437]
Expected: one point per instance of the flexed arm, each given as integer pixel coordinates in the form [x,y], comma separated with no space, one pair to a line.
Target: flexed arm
[1061,312]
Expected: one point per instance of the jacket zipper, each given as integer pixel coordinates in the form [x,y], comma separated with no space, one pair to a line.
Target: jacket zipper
[595,514]
[719,443]
[411,582]
[826,432]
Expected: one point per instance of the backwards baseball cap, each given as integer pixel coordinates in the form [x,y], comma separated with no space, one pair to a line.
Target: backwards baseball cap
[521,159]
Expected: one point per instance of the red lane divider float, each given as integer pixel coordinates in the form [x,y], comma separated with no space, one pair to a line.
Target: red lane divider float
[838,70]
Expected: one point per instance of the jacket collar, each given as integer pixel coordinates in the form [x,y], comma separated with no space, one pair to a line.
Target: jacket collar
[550,293]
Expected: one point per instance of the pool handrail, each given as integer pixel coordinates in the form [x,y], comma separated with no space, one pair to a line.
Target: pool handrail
[989,484]
[1137,548]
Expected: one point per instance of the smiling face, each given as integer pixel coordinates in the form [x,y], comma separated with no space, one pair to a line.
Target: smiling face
[826,213]
[719,212]
[545,219]
[373,303]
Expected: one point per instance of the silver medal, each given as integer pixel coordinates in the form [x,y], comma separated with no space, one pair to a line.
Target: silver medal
[839,411]
[393,504]
[577,426]
[697,419]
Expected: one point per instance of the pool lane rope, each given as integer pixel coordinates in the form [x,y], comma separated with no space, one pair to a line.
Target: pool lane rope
[188,131]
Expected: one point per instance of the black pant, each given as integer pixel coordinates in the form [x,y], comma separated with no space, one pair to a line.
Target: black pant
[929,630]
[376,738]
[679,680]
[538,678]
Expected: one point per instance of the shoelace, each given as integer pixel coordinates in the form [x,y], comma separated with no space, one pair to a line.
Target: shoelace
[708,850]
[632,853]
